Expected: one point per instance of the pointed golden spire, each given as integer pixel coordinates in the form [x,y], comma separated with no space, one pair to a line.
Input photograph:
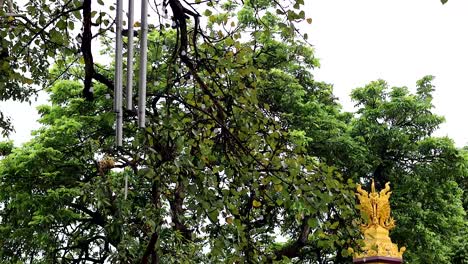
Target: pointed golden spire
[373,186]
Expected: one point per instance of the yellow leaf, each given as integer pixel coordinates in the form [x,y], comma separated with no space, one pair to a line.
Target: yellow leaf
[136,24]
[278,187]
[229,220]
[256,203]
[309,20]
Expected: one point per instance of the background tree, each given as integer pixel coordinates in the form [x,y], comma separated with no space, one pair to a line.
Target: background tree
[395,127]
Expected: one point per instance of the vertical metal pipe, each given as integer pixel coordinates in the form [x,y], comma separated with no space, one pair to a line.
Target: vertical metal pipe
[129,71]
[130,56]
[118,73]
[143,61]
[119,130]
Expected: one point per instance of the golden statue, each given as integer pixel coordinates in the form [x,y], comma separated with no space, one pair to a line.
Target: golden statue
[375,207]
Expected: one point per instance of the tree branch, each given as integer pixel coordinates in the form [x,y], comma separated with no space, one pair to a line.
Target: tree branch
[86,50]
[292,250]
[150,250]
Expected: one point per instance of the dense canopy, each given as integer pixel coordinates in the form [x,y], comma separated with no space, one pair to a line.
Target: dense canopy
[246,158]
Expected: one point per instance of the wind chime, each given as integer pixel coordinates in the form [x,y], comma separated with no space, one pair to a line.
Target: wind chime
[118,90]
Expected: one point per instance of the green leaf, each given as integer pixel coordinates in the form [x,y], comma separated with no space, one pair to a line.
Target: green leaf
[312,223]
[256,203]
[208,12]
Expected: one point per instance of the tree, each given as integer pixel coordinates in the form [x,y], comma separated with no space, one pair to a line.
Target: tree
[215,177]
[396,126]
[39,32]
[243,147]
[389,139]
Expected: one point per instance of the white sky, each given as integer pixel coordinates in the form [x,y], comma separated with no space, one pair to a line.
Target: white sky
[358,41]
[399,41]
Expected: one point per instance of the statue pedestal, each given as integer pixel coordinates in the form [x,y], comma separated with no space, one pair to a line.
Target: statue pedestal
[378,260]
[378,246]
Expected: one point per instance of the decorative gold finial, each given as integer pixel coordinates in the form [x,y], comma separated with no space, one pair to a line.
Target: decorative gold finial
[375,208]
[373,186]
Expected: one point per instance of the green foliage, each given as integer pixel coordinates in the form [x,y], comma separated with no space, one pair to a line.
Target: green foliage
[216,176]
[395,127]
[36,33]
[243,149]
[6,147]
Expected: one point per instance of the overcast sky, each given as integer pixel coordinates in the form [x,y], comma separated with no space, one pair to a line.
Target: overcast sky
[399,41]
[358,41]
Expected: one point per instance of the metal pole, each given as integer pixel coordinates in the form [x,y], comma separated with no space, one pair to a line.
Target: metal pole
[130,56]
[118,73]
[129,71]
[143,60]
